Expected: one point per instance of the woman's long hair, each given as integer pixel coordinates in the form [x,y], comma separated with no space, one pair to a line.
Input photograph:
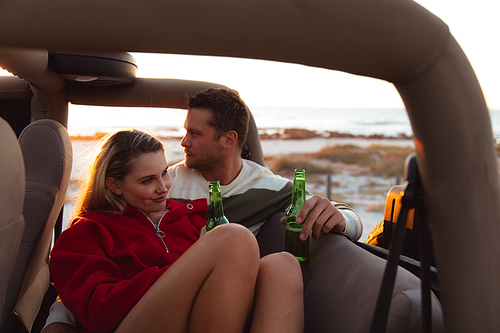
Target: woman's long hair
[113,160]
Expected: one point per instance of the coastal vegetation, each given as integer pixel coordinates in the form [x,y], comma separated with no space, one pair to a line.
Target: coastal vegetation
[358,176]
[375,160]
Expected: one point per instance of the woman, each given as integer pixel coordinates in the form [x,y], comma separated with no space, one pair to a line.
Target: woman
[132,260]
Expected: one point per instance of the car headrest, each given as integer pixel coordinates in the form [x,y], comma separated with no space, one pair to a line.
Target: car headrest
[253,143]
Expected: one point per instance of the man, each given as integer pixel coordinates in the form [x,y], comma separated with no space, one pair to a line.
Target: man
[216,128]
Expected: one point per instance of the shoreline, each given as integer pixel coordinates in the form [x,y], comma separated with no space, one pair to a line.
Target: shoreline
[278,134]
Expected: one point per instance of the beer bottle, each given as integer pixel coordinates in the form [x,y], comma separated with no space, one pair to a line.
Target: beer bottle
[215,209]
[297,247]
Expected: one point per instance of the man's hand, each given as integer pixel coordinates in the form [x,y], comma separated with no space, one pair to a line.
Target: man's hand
[323,217]
[60,328]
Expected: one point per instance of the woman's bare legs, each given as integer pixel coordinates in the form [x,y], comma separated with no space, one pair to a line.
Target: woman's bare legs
[279,303]
[210,288]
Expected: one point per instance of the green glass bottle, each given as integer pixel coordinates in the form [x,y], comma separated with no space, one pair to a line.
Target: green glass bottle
[297,247]
[215,210]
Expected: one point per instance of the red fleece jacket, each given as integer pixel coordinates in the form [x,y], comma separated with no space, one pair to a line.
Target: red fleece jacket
[102,265]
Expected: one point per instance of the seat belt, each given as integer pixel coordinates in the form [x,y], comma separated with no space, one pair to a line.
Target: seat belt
[411,199]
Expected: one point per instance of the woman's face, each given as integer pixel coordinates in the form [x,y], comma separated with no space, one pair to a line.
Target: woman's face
[147,184]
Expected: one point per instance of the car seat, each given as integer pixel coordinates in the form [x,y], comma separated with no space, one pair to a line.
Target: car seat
[47,152]
[254,152]
[12,183]
[342,281]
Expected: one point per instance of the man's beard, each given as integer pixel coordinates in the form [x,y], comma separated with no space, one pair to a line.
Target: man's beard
[209,161]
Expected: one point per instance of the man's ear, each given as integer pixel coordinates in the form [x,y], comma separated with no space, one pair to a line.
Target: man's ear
[113,186]
[229,140]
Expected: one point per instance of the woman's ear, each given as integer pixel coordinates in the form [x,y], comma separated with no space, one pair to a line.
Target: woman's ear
[113,186]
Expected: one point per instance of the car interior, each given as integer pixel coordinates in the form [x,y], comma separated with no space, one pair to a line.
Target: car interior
[46,150]
[77,52]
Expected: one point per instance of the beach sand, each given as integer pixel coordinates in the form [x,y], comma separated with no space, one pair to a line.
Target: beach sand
[366,194]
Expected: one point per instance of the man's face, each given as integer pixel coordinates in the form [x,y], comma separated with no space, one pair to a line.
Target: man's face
[201,151]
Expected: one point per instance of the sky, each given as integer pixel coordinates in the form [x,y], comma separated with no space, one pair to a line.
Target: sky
[473,23]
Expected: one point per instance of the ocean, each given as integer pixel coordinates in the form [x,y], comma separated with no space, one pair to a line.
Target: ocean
[87,121]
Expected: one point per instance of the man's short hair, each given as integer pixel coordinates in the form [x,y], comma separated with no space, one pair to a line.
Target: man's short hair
[229,112]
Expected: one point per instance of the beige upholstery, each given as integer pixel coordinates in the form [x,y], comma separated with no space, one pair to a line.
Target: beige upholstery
[342,282]
[11,205]
[353,277]
[47,152]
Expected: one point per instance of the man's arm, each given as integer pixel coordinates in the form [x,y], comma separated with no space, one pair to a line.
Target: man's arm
[353,225]
[325,216]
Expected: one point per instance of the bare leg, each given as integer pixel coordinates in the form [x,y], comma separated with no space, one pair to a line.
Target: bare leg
[209,289]
[279,303]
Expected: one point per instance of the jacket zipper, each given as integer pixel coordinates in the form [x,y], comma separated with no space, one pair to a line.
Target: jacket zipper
[159,233]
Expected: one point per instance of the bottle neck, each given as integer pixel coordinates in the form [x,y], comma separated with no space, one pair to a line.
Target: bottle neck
[215,208]
[299,188]
[299,192]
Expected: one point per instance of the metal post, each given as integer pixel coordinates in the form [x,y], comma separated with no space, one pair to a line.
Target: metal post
[328,185]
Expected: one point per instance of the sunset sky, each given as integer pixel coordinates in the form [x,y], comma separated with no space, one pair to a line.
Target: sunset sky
[473,23]
[263,83]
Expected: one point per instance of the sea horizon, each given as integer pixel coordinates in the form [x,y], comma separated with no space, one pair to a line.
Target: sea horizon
[168,123]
